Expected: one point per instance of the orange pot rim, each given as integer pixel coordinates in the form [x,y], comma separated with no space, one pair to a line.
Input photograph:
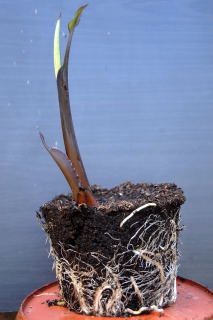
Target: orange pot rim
[193,300]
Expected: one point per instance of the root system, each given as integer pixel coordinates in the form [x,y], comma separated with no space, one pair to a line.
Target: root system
[120,258]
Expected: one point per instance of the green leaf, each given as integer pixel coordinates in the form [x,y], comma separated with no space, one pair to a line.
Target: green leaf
[57,55]
[75,21]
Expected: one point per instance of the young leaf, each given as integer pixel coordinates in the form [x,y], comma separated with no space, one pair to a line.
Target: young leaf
[75,21]
[70,163]
[70,141]
[57,54]
[65,165]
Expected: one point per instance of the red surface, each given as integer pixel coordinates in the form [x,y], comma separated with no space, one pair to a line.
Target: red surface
[194,302]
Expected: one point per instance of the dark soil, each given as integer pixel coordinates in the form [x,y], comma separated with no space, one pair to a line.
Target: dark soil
[97,229]
[85,227]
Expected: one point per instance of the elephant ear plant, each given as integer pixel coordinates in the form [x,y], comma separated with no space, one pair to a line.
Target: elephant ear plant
[70,163]
[114,250]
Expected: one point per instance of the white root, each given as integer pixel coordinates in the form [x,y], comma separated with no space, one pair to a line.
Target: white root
[151,261]
[144,269]
[151,204]
[142,309]
[97,304]
[45,294]
[108,234]
[137,290]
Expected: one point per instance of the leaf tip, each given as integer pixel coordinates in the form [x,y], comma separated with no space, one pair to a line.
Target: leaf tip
[41,135]
[43,140]
[75,21]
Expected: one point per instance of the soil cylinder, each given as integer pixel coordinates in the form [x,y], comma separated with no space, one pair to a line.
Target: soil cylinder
[120,258]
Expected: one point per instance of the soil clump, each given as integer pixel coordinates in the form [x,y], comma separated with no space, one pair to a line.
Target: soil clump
[108,264]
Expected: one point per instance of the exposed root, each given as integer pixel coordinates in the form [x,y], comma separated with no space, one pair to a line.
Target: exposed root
[137,290]
[142,309]
[151,261]
[141,276]
[44,294]
[135,211]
